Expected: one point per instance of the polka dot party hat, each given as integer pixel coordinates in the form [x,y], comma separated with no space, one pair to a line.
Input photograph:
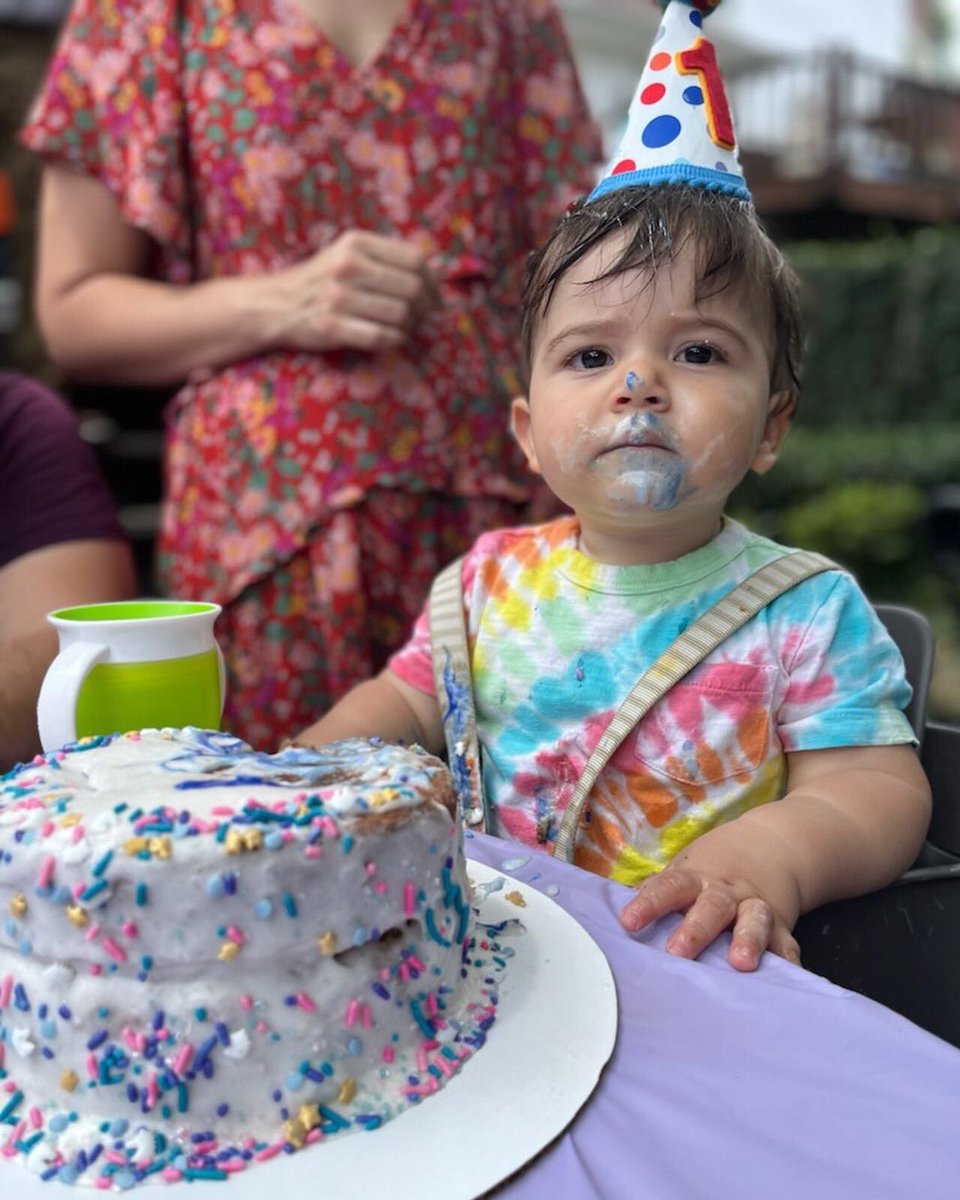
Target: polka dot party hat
[679,128]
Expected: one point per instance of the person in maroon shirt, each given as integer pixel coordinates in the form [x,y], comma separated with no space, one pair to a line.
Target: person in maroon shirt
[61,544]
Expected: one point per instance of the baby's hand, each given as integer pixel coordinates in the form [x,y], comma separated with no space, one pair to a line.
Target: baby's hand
[711,905]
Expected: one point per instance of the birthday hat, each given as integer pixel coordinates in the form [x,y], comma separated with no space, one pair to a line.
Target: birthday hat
[679,128]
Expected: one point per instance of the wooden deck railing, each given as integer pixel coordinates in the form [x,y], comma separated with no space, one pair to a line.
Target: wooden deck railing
[844,130]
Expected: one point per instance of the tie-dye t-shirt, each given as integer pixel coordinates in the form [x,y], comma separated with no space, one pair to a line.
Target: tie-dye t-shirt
[558,640]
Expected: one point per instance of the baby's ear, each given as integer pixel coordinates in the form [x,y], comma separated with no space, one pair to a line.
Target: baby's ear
[779,416]
[520,424]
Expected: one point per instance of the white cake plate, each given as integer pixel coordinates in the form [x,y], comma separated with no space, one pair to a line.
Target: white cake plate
[504,1106]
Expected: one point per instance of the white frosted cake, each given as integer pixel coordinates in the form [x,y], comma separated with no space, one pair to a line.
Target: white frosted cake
[210,956]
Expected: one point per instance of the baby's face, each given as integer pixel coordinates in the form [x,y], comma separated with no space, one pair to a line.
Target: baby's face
[646,408]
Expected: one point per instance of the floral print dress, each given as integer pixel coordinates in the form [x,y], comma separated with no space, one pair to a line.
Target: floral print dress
[315,495]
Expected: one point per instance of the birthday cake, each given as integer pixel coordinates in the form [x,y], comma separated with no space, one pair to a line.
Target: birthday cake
[210,956]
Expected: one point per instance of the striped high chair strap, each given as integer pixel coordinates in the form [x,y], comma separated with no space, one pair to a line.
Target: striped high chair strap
[451,667]
[454,688]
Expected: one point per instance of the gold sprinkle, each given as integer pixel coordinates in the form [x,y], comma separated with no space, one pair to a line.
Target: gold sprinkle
[161,847]
[78,915]
[515,898]
[309,1116]
[348,1090]
[135,845]
[234,842]
[380,798]
[69,820]
[295,1133]
[253,839]
[68,1080]
[18,906]
[327,942]
[228,951]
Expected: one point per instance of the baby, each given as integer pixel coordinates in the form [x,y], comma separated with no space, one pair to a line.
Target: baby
[662,335]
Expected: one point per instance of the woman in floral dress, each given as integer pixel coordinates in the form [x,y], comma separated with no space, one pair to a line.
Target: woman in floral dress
[314,213]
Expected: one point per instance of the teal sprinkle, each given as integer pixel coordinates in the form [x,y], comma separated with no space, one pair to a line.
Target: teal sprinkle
[10,1106]
[183,1098]
[205,1173]
[222,831]
[347,843]
[102,864]
[94,890]
[289,904]
[142,893]
[29,1144]
[425,1027]
[200,1014]
[433,931]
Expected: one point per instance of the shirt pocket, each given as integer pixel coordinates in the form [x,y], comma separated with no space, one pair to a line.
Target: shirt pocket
[716,724]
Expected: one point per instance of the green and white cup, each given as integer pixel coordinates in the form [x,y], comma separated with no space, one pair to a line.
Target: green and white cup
[134,664]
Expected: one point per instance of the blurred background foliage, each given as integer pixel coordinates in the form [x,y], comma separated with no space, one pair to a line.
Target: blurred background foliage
[870,473]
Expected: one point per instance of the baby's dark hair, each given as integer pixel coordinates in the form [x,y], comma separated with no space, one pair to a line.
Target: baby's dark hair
[733,250]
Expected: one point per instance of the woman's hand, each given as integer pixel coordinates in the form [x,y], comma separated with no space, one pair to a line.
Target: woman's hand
[364,291]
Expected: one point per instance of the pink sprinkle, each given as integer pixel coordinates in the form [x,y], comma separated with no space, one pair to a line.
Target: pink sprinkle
[445,1065]
[246,1003]
[370,868]
[380,886]
[9,1150]
[417,964]
[385,975]
[93,932]
[103,1182]
[262,1027]
[153,1091]
[236,935]
[129,929]
[171,1175]
[36,1118]
[431,1003]
[115,1157]
[305,1002]
[315,1135]
[6,988]
[9,1086]
[269,1152]
[222,810]
[389,1054]
[78,834]
[116,952]
[45,877]
[233,1167]
[92,1068]
[312,852]
[365,1018]
[47,828]
[353,1011]
[78,889]
[96,969]
[203,1147]
[182,1061]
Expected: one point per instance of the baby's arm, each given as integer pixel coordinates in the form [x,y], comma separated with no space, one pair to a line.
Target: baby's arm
[851,821]
[385,707]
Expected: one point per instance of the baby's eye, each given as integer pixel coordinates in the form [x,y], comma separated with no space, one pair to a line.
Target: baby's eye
[590,359]
[700,354]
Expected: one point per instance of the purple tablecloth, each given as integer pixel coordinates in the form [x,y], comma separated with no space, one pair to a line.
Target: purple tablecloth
[724,1086]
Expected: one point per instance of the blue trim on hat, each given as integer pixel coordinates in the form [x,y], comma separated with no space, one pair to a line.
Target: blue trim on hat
[693,176]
